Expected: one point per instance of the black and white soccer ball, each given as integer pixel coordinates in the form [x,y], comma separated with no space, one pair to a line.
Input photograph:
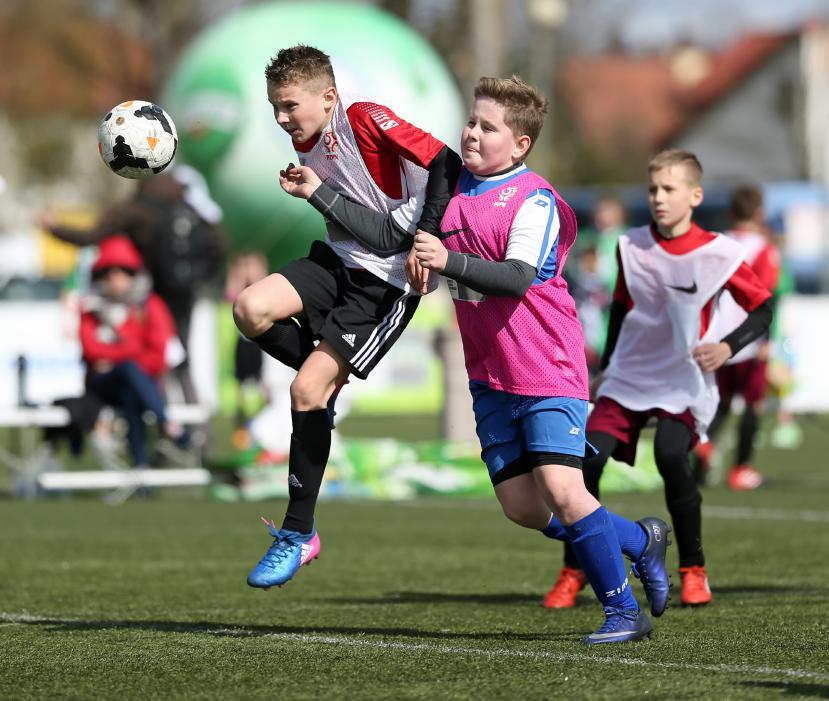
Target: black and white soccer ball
[137,139]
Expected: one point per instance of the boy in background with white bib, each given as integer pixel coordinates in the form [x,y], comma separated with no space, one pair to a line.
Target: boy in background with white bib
[664,343]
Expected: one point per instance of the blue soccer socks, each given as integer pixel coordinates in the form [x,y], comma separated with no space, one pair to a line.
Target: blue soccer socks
[597,547]
[633,538]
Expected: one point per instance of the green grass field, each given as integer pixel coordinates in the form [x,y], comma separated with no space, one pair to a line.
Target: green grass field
[425,599]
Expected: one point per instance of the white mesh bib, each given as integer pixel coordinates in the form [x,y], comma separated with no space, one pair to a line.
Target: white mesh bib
[651,366]
[336,159]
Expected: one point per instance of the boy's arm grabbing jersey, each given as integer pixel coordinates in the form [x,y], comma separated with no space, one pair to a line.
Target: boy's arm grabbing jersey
[387,234]
[530,253]
[744,285]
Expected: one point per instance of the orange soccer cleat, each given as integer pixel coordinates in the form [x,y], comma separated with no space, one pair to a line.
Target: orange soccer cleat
[744,478]
[563,593]
[695,590]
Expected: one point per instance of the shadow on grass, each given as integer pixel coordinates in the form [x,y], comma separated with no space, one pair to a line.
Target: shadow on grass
[235,630]
[816,691]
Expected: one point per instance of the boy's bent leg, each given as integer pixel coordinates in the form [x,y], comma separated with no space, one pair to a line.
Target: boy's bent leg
[264,313]
[590,531]
[257,307]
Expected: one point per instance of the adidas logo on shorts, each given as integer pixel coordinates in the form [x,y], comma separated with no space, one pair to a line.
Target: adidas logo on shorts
[349,338]
[293,481]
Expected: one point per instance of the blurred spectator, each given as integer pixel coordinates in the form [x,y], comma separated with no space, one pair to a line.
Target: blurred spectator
[592,301]
[175,226]
[592,283]
[745,374]
[245,269]
[609,223]
[126,333]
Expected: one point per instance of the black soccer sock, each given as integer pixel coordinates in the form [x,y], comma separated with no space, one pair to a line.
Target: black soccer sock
[682,496]
[310,445]
[288,341]
[745,436]
[592,468]
[686,516]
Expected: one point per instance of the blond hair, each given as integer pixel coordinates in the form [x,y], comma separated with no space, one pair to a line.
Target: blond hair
[524,106]
[678,157]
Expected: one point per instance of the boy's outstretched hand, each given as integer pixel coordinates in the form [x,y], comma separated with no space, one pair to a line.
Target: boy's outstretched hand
[712,356]
[299,181]
[430,251]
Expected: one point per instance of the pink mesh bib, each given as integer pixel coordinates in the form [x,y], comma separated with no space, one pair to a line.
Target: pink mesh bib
[531,345]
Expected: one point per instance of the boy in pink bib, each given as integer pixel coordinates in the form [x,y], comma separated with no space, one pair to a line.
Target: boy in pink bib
[503,241]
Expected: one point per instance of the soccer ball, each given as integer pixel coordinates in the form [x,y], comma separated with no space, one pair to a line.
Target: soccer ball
[137,139]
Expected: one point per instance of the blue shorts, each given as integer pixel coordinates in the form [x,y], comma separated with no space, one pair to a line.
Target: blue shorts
[510,426]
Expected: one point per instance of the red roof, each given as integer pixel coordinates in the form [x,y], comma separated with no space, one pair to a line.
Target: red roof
[619,98]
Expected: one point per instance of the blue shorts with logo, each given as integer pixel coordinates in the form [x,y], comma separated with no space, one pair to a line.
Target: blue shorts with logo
[511,426]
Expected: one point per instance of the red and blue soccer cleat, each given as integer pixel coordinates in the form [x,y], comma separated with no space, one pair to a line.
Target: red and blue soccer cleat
[288,552]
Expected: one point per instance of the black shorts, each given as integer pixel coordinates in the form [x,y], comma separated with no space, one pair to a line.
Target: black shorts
[359,314]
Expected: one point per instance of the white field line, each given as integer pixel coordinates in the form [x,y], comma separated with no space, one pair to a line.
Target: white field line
[310,639]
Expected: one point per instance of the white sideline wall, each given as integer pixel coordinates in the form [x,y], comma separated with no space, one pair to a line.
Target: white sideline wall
[45,332]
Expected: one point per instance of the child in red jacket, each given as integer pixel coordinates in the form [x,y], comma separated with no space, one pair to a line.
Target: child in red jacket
[125,333]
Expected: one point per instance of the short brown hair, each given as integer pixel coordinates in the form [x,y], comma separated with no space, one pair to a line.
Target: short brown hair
[745,202]
[524,106]
[300,64]
[677,157]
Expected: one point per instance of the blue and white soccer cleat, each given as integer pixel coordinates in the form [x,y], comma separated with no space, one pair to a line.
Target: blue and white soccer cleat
[288,552]
[621,626]
[650,567]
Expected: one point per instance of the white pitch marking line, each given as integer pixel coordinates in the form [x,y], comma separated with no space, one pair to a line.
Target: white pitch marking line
[20,618]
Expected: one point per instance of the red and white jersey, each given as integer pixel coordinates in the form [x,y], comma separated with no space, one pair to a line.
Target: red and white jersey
[762,257]
[373,157]
[652,365]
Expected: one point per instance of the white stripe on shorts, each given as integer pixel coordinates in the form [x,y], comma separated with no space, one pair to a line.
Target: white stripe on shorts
[380,334]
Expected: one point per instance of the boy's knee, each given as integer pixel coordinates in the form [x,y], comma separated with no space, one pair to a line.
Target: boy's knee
[307,393]
[520,514]
[251,313]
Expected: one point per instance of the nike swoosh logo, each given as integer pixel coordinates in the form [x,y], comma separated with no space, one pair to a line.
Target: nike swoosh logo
[689,290]
[609,636]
